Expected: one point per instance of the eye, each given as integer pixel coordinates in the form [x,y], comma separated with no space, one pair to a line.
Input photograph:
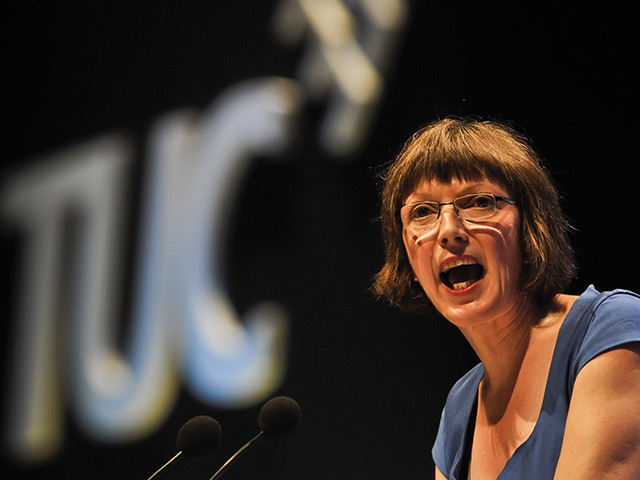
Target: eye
[482,201]
[424,211]
[478,202]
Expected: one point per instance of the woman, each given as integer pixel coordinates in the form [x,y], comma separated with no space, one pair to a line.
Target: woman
[473,227]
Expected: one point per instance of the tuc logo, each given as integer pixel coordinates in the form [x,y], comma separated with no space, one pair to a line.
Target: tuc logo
[71,210]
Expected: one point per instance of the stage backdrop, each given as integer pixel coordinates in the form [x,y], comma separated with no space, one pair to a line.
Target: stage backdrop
[188,217]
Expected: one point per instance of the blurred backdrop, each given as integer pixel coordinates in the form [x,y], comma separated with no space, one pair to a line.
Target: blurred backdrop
[188,217]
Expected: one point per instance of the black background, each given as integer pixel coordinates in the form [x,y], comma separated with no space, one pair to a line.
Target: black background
[370,380]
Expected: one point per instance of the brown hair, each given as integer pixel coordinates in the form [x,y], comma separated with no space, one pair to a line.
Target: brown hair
[469,149]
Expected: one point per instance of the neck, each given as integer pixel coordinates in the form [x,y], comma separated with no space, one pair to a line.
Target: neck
[501,344]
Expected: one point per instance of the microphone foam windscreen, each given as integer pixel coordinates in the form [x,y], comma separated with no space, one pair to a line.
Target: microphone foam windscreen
[280,416]
[199,435]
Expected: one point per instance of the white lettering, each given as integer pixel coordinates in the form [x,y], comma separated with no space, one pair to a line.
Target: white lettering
[228,361]
[71,209]
[196,169]
[87,183]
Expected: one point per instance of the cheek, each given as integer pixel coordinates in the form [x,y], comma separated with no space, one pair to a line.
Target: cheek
[413,252]
[505,252]
[420,254]
[512,247]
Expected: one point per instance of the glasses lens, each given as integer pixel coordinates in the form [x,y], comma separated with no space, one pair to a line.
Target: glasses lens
[420,216]
[476,206]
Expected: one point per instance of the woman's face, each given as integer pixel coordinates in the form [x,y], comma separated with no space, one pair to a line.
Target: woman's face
[469,295]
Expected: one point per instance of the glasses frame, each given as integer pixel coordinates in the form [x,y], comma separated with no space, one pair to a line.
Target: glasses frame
[497,198]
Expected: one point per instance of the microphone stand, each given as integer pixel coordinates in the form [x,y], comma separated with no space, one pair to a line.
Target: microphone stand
[237,455]
[162,468]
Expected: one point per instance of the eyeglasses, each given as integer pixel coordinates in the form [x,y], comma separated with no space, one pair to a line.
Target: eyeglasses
[421,217]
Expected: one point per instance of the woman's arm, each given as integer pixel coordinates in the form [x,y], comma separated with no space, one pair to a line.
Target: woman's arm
[602,434]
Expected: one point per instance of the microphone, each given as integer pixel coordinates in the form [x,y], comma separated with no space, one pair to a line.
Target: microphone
[196,437]
[279,417]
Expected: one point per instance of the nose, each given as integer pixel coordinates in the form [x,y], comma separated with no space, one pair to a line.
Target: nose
[452,234]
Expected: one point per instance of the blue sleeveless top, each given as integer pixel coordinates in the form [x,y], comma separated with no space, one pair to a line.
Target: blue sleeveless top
[595,323]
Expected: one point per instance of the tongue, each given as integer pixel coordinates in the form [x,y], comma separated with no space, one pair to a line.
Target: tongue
[464,273]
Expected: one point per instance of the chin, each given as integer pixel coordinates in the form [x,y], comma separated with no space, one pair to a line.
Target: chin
[471,306]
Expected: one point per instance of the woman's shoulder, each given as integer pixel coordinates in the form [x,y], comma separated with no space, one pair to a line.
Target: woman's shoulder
[618,309]
[625,300]
[466,386]
[610,319]
[621,300]
[594,308]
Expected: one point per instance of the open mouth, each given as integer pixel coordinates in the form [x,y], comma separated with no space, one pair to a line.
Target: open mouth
[461,273]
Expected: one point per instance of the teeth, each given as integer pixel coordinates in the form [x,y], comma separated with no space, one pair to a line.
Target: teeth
[445,276]
[456,263]
[461,285]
